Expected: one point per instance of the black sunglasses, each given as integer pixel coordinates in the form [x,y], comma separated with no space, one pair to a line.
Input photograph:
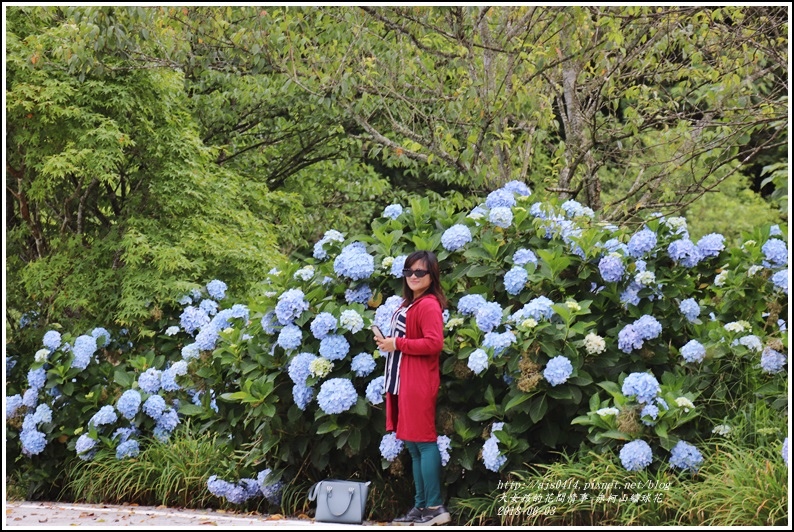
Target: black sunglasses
[407,272]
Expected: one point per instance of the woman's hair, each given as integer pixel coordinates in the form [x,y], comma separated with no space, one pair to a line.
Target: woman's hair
[435,281]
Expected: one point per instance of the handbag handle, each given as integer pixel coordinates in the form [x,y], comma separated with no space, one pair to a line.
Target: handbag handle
[329,491]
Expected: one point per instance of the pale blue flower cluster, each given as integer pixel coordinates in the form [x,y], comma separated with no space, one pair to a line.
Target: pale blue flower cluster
[693,351]
[13,404]
[651,411]
[711,245]
[538,309]
[776,253]
[43,414]
[330,236]
[784,451]
[750,341]
[501,217]
[362,364]
[85,447]
[359,294]
[30,398]
[499,341]
[154,406]
[780,280]
[334,347]
[209,306]
[390,447]
[636,455]
[500,198]
[216,289]
[469,304]
[354,262]
[398,265]
[632,336]
[169,375]
[302,395]
[384,313]
[641,243]
[455,237]
[52,340]
[102,336]
[33,441]
[236,493]
[643,386]
[489,316]
[269,323]
[190,352]
[84,348]
[575,209]
[36,378]
[193,319]
[613,245]
[323,324]
[515,280]
[690,309]
[612,268]
[772,361]
[517,187]
[444,445]
[523,256]
[290,306]
[149,380]
[491,457]
[129,403]
[298,369]
[127,449]
[393,211]
[478,361]
[172,330]
[685,456]
[558,369]
[290,337]
[648,327]
[375,390]
[351,320]
[684,252]
[271,490]
[336,396]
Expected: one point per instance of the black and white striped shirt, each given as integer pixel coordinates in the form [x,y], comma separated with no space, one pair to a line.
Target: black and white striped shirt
[392,383]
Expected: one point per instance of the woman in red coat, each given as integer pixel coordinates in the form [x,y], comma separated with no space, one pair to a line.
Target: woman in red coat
[413,379]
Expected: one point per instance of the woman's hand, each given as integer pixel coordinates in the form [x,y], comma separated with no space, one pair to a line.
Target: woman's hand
[386,344]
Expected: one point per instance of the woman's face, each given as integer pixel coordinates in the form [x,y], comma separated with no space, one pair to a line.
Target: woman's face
[418,285]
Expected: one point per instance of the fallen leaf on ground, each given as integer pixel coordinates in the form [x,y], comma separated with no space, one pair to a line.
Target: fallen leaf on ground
[273,517]
[209,523]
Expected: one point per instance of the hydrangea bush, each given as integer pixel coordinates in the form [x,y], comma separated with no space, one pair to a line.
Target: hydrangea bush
[560,330]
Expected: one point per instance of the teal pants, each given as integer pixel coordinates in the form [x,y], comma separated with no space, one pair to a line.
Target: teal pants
[426,467]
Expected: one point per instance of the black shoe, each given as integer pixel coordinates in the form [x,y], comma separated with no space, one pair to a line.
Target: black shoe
[413,515]
[434,516]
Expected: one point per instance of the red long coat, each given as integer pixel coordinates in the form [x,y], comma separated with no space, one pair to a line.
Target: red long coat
[420,376]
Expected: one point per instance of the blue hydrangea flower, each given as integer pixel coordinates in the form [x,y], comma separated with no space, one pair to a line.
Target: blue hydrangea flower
[651,411]
[375,390]
[33,442]
[613,245]
[499,341]
[629,339]
[353,262]
[30,398]
[772,361]
[612,268]
[290,306]
[648,327]
[336,396]
[36,378]
[780,280]
[193,319]
[351,320]
[393,211]
[359,294]
[398,265]
[209,306]
[384,313]
[105,416]
[478,361]
[517,187]
[13,404]
[641,243]
[331,235]
[323,324]
[489,316]
[501,216]
[750,341]
[271,490]
[468,305]
[84,444]
[500,198]
[127,449]
[269,322]
[43,414]
[776,252]
[298,369]
[172,330]
[574,209]
[684,252]
[455,237]
[523,256]
[84,348]
[216,289]
[102,336]
[558,369]
[444,444]
[302,395]
[538,309]
[685,456]
[515,280]
[149,380]
[363,364]
[129,403]
[690,309]
[207,338]
[168,380]
[290,337]
[636,455]
[334,347]
[784,451]
[643,386]
[491,457]
[711,245]
[154,407]
[390,446]
[168,420]
[630,296]
[52,340]
[191,351]
[693,351]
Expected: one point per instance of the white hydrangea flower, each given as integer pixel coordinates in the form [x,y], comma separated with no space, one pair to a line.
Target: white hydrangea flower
[573,305]
[387,262]
[609,411]
[684,403]
[594,344]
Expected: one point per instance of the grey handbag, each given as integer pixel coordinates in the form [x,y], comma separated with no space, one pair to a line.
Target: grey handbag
[339,501]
